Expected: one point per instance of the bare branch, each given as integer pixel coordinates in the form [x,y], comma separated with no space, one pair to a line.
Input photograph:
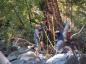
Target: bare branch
[78,32]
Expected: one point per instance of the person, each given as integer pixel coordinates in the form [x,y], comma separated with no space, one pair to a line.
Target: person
[67,28]
[64,35]
[60,41]
[36,35]
[36,38]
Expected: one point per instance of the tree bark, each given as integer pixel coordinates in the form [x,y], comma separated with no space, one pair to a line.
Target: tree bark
[52,14]
[51,9]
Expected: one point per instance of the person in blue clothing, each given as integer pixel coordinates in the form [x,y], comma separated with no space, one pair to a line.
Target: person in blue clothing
[36,35]
[60,40]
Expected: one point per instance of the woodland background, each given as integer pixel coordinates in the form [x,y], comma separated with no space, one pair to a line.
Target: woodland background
[18,17]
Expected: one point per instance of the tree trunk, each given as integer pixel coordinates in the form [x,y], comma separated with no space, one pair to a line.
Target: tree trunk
[51,9]
[52,14]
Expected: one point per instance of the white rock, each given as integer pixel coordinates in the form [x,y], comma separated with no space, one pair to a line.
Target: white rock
[3,59]
[28,56]
[57,59]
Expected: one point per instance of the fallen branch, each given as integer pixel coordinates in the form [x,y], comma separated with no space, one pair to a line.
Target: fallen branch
[18,39]
[25,40]
[78,32]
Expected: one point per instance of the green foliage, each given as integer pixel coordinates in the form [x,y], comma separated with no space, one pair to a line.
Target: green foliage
[77,13]
[17,18]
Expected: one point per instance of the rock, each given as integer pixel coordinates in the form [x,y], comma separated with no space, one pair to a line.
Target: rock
[83,59]
[57,59]
[3,59]
[24,57]
[13,56]
[31,58]
[28,56]
[42,59]
[72,60]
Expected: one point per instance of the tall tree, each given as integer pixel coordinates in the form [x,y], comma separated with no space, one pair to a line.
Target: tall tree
[52,14]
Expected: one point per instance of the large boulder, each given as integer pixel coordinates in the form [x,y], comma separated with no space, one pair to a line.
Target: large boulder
[3,59]
[57,59]
[72,60]
[60,58]
[83,59]
[28,58]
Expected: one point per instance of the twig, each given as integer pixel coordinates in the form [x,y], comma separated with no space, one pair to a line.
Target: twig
[78,32]
[22,39]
